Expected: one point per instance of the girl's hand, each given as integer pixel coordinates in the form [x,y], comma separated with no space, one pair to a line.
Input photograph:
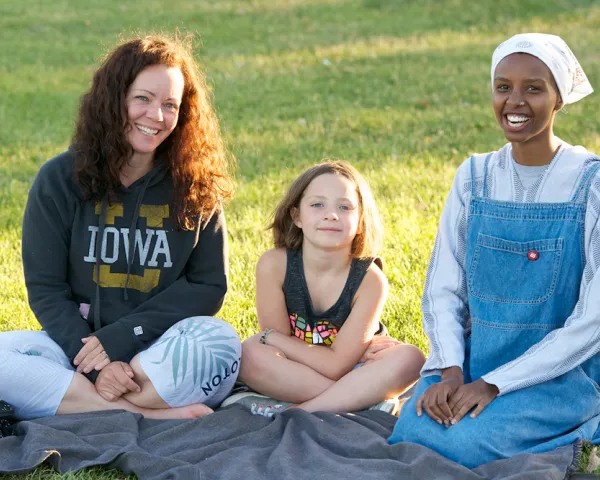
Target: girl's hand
[467,396]
[91,356]
[436,397]
[378,343]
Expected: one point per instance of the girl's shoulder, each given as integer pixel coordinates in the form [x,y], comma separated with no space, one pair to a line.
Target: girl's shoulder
[374,278]
[373,287]
[273,263]
[273,255]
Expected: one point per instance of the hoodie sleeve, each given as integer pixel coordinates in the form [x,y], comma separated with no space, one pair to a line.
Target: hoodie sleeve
[45,248]
[200,291]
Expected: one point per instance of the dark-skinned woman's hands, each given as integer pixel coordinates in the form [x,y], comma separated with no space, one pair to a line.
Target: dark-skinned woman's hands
[435,400]
[478,393]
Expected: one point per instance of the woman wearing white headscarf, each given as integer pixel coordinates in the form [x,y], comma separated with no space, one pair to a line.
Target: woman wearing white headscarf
[511,303]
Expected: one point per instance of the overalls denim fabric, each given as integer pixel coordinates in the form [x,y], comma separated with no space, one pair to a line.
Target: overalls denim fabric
[524,263]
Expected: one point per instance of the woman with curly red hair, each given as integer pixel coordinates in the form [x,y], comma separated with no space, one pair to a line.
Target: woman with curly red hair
[125,253]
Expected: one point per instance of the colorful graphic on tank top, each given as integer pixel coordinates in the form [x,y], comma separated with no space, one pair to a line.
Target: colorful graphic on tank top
[322,333]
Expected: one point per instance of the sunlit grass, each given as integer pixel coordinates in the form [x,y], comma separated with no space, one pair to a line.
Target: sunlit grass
[398,88]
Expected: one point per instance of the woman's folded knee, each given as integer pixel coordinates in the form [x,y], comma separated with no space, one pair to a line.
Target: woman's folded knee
[195,361]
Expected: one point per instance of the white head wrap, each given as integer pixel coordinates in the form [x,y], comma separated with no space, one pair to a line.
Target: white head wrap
[572,82]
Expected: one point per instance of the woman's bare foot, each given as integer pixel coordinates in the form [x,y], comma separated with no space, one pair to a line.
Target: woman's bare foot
[82,397]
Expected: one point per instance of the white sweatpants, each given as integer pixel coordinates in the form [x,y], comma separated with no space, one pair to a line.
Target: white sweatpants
[195,361]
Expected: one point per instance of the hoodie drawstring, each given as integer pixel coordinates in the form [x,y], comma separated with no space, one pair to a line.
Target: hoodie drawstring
[131,246]
[101,226]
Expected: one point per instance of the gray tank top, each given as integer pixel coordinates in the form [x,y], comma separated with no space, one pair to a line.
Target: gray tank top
[320,327]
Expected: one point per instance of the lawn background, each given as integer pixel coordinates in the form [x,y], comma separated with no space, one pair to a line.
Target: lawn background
[400,88]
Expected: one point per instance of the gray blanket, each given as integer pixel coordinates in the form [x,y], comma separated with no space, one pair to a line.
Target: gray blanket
[232,444]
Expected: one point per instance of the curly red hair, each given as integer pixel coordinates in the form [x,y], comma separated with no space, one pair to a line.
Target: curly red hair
[197,160]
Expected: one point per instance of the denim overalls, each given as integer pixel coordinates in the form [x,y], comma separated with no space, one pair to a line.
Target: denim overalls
[524,263]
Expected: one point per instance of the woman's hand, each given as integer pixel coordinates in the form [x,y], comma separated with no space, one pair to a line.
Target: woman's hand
[467,396]
[115,380]
[436,397]
[378,343]
[91,356]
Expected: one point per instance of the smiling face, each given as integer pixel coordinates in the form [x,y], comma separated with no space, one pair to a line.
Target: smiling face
[153,103]
[329,212]
[525,98]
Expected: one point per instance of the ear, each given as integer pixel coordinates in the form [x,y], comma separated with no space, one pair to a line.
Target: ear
[295,214]
[559,104]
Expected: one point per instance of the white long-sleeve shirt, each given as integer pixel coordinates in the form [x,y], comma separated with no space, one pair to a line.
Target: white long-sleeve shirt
[445,303]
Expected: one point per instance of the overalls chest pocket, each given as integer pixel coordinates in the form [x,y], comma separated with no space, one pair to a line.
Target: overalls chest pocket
[514,272]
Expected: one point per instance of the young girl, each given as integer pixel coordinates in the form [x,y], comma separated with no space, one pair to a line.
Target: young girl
[319,296]
[124,251]
[511,300]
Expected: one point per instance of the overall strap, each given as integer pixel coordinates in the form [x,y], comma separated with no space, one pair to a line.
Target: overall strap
[485,166]
[586,181]
[472,161]
[485,169]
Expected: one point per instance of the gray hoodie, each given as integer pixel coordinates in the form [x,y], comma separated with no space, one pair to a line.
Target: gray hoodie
[173,274]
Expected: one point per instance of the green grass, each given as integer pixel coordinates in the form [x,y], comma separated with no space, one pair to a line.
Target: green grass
[399,88]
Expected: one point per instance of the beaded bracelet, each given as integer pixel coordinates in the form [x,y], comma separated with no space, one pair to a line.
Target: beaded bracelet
[265,334]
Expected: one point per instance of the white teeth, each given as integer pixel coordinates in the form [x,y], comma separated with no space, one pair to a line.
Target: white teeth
[146,130]
[517,118]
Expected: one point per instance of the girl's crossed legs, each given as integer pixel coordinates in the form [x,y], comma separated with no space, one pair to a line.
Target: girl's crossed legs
[266,369]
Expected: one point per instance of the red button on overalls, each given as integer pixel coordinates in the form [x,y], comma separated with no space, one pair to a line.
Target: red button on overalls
[533,255]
